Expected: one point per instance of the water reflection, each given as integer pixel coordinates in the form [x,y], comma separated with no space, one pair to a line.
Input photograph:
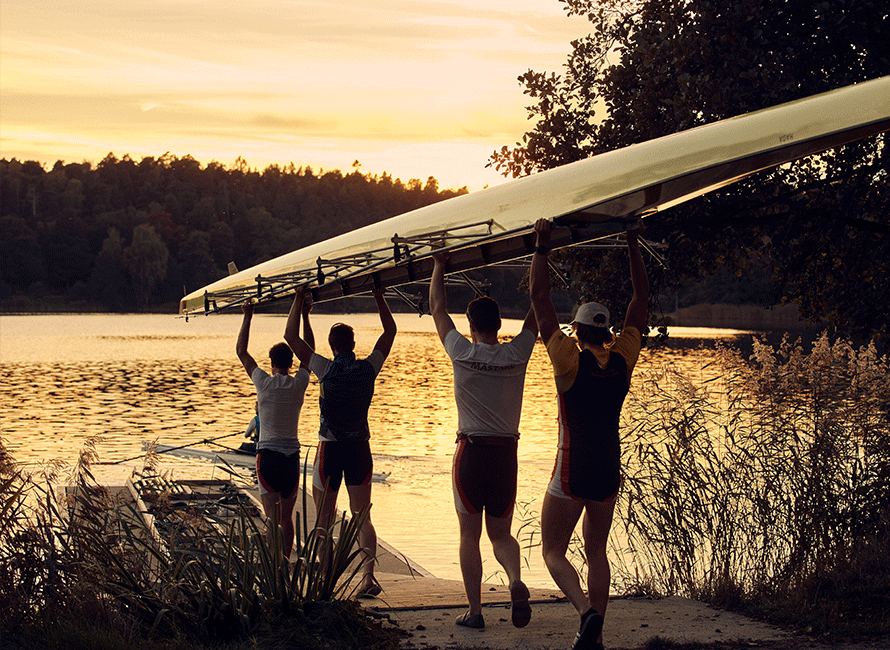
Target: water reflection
[67,378]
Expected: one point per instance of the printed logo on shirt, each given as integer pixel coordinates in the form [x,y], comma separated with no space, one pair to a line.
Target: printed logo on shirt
[476,365]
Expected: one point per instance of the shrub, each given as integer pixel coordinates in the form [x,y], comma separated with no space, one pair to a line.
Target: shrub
[766,484]
[85,564]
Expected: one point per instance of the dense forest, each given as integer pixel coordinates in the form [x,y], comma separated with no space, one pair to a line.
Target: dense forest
[127,235]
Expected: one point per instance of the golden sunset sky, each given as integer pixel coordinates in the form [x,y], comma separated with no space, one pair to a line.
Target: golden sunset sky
[416,88]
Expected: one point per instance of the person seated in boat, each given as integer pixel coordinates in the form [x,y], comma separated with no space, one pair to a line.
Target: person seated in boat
[279,401]
[344,451]
[592,371]
[489,379]
[252,433]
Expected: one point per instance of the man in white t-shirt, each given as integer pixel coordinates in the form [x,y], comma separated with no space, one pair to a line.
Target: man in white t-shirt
[279,400]
[489,378]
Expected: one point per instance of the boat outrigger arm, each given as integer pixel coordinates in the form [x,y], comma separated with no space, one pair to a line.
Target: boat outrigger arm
[410,260]
[590,202]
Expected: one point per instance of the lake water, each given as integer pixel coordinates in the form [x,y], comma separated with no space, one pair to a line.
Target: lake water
[130,378]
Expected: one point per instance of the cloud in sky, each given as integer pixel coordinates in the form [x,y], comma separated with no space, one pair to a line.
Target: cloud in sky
[416,88]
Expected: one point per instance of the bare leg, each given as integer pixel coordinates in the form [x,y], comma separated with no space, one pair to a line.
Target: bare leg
[506,550]
[359,498]
[287,523]
[274,507]
[505,546]
[271,511]
[558,520]
[326,510]
[595,528]
[471,559]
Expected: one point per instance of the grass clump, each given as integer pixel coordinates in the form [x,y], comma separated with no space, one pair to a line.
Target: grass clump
[766,488]
[83,571]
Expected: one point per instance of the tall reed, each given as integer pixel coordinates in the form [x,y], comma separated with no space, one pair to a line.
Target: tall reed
[214,578]
[770,482]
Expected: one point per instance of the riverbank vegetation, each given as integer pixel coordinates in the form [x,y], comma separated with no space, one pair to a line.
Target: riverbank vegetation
[81,571]
[763,485]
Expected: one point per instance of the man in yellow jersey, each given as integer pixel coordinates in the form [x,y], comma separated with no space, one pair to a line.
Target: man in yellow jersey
[592,372]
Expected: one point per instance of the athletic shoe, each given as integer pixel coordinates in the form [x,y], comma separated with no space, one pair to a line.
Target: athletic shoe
[589,632]
[475,621]
[520,611]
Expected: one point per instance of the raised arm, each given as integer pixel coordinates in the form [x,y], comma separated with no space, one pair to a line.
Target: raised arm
[539,283]
[638,309]
[438,301]
[308,334]
[301,347]
[241,346]
[530,323]
[384,343]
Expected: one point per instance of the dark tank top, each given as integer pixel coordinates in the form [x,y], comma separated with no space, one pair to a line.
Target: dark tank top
[591,410]
[347,390]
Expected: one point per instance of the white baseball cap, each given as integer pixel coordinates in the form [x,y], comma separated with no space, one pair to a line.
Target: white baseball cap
[593,314]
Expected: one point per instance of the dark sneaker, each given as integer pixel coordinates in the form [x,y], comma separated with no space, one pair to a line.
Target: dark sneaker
[589,632]
[475,621]
[520,610]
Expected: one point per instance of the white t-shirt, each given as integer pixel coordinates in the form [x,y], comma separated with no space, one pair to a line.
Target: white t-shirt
[488,383]
[279,400]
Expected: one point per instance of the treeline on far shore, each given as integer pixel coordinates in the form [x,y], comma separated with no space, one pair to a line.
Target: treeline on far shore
[126,235]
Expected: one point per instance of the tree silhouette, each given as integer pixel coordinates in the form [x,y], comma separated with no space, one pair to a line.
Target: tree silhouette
[654,67]
[108,282]
[146,260]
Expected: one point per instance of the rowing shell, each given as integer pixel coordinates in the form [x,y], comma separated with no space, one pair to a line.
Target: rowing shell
[587,200]
[240,459]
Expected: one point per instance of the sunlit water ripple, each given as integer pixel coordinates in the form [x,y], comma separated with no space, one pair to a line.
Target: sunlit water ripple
[130,378]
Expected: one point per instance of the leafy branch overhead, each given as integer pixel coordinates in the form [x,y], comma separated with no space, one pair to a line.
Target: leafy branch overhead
[814,232]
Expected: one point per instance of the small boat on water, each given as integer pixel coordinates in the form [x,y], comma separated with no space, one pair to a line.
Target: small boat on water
[244,457]
[190,507]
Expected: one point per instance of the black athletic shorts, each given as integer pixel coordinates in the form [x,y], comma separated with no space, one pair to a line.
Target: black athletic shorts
[278,472]
[348,460]
[484,475]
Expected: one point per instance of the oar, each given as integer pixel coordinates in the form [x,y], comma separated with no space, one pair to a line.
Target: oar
[191,444]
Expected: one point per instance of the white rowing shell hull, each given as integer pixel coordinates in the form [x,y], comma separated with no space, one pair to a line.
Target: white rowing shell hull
[609,189]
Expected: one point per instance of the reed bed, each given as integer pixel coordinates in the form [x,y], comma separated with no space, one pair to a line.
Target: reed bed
[766,487]
[82,571]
